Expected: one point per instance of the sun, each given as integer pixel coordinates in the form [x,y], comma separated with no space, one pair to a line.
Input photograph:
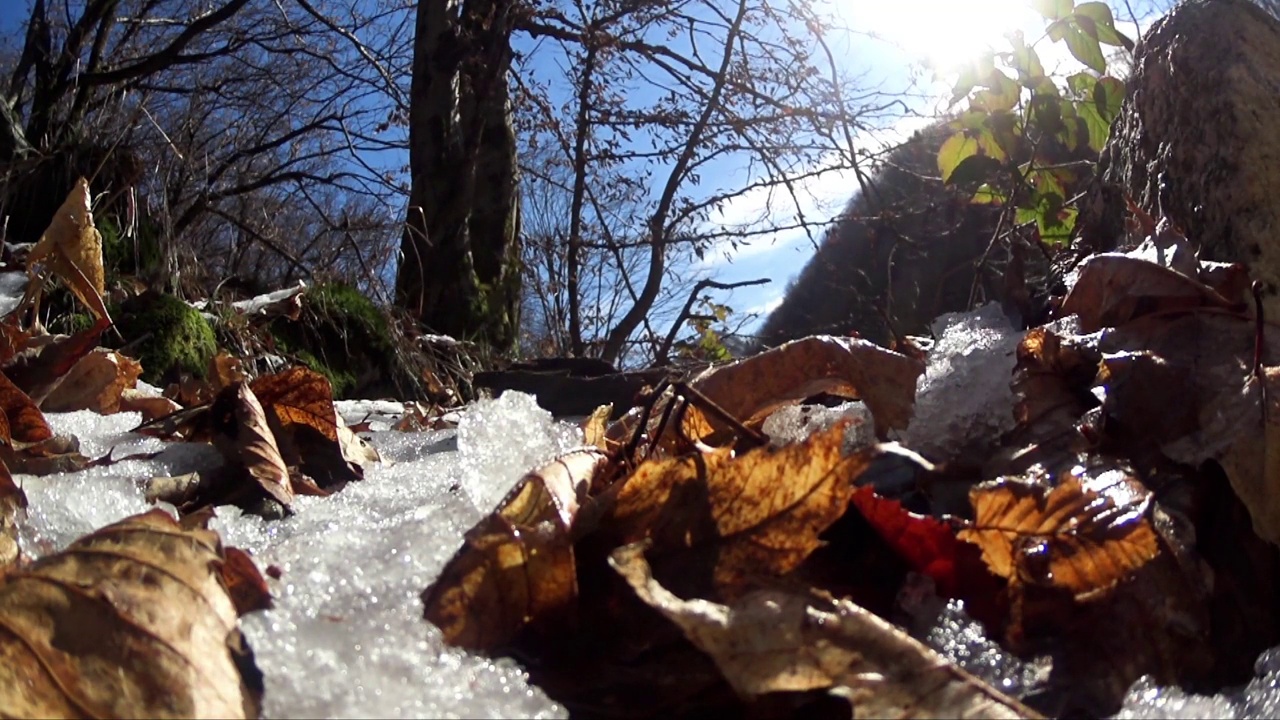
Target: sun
[944,34]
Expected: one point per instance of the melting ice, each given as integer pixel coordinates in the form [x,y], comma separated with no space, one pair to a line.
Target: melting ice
[347,637]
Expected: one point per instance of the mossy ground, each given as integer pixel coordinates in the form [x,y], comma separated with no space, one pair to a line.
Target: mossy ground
[168,336]
[342,335]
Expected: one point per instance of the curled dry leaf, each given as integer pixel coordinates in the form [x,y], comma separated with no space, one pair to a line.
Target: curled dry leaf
[130,621]
[73,249]
[24,422]
[97,382]
[751,388]
[759,514]
[13,509]
[1252,462]
[150,407]
[1082,539]
[241,434]
[1051,384]
[300,411]
[516,567]
[45,361]
[771,641]
[225,370]
[1113,289]
[595,425]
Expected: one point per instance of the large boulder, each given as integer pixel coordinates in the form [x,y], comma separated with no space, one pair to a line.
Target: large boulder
[1198,139]
[902,253]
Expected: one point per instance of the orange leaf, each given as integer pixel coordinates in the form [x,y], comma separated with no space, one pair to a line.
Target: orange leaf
[1070,537]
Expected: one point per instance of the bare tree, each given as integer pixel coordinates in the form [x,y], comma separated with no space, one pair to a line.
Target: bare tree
[259,136]
[666,99]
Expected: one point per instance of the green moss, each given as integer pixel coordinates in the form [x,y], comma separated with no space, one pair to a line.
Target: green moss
[341,381]
[341,335]
[167,336]
[70,323]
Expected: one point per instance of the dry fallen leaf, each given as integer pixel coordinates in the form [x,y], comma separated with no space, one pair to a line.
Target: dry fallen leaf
[73,249]
[1113,289]
[149,406]
[24,421]
[516,567]
[1082,539]
[97,382]
[43,363]
[13,509]
[771,641]
[130,621]
[241,434]
[595,426]
[759,514]
[750,389]
[225,370]
[1252,462]
[300,411]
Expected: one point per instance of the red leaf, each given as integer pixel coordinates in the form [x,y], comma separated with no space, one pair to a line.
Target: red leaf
[926,543]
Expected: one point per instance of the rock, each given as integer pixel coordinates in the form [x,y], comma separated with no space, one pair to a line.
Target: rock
[1198,140]
[903,254]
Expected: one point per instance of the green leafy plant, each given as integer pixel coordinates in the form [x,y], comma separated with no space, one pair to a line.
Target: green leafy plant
[1019,118]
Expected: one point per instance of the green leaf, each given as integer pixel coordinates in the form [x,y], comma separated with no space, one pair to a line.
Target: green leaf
[1025,61]
[1046,115]
[972,75]
[1108,96]
[1082,85]
[1057,29]
[1002,93]
[986,194]
[1085,49]
[1054,9]
[1103,24]
[990,147]
[1099,128]
[954,151]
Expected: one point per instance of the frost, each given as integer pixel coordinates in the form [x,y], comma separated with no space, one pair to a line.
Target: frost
[1259,699]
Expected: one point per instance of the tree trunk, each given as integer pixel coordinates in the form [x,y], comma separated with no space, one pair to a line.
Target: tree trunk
[459,268]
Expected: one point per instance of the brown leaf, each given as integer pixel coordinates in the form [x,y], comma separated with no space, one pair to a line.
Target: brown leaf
[130,621]
[45,361]
[1252,462]
[97,382]
[242,436]
[1083,540]
[244,584]
[595,426]
[73,248]
[771,641]
[516,567]
[13,509]
[752,388]
[225,370]
[759,514]
[25,423]
[1114,289]
[299,403]
[150,407]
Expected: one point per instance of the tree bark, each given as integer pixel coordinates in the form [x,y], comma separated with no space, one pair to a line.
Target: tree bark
[1197,140]
[459,269]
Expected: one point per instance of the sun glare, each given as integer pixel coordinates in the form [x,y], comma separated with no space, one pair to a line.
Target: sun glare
[944,34]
